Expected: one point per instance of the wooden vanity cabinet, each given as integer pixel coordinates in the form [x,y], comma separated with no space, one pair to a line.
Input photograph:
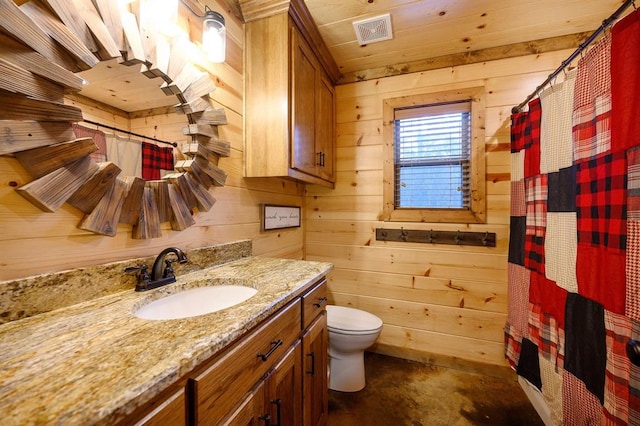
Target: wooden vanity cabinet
[315,340]
[217,390]
[274,375]
[289,101]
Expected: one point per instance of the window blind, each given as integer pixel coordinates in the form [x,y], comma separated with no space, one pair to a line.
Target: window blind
[432,156]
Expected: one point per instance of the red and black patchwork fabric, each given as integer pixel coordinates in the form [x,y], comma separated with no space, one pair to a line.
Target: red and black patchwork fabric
[99,138]
[528,364]
[512,344]
[585,343]
[601,201]
[562,190]
[518,293]
[592,103]
[625,82]
[579,406]
[520,133]
[532,140]
[600,274]
[616,396]
[155,159]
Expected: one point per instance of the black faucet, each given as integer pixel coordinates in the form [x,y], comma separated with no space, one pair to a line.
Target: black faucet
[159,276]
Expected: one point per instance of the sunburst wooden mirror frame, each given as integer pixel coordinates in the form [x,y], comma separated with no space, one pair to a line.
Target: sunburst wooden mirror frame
[42,44]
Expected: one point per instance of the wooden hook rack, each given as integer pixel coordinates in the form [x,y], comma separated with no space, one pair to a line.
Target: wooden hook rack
[485,239]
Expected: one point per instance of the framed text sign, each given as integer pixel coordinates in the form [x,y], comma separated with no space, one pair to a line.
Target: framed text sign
[278,217]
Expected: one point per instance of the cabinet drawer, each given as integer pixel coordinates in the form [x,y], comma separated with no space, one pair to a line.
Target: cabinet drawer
[218,389]
[314,302]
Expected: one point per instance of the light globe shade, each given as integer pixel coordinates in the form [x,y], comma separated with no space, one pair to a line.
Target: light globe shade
[214,36]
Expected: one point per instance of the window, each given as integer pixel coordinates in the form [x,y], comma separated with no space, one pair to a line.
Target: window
[434,153]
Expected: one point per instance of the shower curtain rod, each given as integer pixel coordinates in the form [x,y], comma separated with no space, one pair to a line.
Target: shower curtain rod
[130,133]
[605,24]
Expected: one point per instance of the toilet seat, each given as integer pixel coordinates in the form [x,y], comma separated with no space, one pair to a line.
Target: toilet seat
[344,320]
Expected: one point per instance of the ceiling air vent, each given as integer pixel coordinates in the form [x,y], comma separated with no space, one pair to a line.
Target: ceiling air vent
[373,29]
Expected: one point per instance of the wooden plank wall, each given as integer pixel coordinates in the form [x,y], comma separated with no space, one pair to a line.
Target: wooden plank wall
[35,242]
[437,302]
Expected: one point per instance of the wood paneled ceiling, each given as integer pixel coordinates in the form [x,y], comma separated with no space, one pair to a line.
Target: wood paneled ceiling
[427,34]
[436,33]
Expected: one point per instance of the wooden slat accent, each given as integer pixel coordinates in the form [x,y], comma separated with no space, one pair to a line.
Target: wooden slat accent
[14,107]
[130,212]
[218,175]
[104,218]
[16,135]
[212,116]
[60,33]
[50,192]
[199,129]
[148,225]
[86,198]
[34,62]
[111,16]
[41,161]
[197,105]
[222,148]
[17,80]
[202,86]
[204,199]
[161,196]
[196,171]
[181,218]
[90,15]
[180,184]
[178,59]
[14,22]
[187,76]
[135,50]
[70,16]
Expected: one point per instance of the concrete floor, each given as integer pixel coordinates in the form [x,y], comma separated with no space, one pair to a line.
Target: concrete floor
[401,392]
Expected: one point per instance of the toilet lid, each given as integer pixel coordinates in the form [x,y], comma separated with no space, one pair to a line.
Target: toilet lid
[351,319]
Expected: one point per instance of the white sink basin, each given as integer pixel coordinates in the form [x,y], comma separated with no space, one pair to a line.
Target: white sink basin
[195,301]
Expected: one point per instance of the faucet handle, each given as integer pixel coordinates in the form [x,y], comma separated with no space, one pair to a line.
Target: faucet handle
[168,269]
[143,277]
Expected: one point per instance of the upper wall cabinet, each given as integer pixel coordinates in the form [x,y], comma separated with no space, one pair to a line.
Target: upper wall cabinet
[289,97]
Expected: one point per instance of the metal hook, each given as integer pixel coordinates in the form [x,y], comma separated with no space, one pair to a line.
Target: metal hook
[403,233]
[458,237]
[430,239]
[484,239]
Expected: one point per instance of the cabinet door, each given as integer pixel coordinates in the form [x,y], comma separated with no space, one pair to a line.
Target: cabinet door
[325,127]
[315,389]
[251,410]
[284,390]
[169,412]
[303,106]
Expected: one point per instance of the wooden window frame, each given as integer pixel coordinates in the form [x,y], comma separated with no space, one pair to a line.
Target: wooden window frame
[477,211]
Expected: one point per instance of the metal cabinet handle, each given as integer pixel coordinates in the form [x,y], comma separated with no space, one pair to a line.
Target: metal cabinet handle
[320,302]
[275,344]
[312,355]
[278,403]
[266,418]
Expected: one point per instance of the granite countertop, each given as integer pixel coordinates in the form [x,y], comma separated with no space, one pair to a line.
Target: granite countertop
[95,362]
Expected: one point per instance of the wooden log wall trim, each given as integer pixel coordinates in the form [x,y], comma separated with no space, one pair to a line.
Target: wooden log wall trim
[48,41]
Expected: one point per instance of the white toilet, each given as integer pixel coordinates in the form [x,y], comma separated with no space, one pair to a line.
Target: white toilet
[351,331]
